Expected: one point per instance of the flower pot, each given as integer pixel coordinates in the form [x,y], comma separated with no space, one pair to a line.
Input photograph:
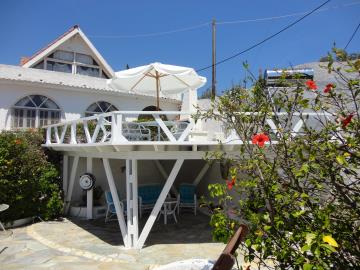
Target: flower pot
[18,222]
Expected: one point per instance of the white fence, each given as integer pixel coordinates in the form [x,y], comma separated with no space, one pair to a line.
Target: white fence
[128,127]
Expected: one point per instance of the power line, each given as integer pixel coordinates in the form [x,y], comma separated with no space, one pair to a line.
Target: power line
[287,15]
[352,36]
[154,34]
[266,39]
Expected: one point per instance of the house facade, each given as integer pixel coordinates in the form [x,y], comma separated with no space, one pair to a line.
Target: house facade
[65,80]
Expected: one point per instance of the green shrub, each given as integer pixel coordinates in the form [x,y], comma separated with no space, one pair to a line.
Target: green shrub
[29,183]
[300,196]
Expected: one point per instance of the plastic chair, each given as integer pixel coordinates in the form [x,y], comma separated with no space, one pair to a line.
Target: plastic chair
[111,211]
[187,197]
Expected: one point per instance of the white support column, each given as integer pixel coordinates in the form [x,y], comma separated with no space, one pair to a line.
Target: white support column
[165,175]
[71,183]
[116,129]
[65,174]
[160,201]
[115,196]
[201,174]
[89,193]
[132,201]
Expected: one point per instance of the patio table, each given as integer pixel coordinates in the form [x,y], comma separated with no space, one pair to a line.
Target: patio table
[169,208]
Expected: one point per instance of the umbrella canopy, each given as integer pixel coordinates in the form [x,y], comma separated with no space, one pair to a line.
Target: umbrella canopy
[155,78]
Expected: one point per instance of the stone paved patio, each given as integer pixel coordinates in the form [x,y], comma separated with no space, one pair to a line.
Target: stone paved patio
[80,244]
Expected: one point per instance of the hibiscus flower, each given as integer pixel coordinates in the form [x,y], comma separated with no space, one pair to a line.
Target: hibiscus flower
[329,87]
[260,139]
[230,184]
[310,84]
[345,121]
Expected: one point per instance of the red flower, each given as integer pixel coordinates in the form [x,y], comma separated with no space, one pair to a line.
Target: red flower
[260,139]
[17,141]
[230,184]
[311,85]
[329,87]
[345,121]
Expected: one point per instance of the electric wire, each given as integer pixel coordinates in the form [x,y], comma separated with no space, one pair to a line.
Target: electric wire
[266,39]
[352,36]
[202,25]
[155,34]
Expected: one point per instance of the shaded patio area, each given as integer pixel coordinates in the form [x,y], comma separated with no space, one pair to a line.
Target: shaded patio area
[73,244]
[190,229]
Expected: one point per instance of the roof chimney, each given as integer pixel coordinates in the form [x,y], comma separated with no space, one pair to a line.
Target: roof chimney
[23,60]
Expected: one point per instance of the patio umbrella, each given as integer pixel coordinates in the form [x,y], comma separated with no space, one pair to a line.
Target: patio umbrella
[155,78]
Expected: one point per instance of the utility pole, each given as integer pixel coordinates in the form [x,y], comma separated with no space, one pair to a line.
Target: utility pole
[213,86]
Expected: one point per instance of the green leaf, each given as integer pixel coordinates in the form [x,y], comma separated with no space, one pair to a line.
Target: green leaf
[307,266]
[305,248]
[309,237]
[340,159]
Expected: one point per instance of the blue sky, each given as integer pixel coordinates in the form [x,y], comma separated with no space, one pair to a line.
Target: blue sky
[26,26]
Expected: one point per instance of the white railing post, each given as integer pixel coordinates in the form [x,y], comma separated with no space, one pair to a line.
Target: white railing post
[48,135]
[116,129]
[132,201]
[73,133]
[87,133]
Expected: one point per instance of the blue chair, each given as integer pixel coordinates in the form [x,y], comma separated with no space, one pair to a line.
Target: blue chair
[148,195]
[187,197]
[110,211]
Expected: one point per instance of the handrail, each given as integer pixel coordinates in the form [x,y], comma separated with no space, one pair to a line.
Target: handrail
[108,128]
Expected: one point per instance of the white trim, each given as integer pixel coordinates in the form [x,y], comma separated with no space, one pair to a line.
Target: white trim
[89,193]
[132,201]
[76,30]
[71,183]
[164,174]
[65,173]
[201,174]
[115,196]
[160,201]
[102,91]
[50,49]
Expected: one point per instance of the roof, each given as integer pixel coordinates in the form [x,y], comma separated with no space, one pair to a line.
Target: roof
[60,79]
[75,30]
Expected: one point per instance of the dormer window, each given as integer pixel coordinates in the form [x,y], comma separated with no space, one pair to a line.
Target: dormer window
[71,62]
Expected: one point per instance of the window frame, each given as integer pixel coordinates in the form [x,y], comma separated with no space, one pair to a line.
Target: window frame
[38,109]
[73,64]
[88,113]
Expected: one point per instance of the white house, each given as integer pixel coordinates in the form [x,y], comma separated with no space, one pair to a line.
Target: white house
[66,81]
[64,88]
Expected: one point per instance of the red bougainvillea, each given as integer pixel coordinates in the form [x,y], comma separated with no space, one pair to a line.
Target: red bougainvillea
[329,87]
[345,121]
[260,139]
[231,183]
[310,84]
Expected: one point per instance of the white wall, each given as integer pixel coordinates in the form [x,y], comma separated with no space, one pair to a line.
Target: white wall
[73,103]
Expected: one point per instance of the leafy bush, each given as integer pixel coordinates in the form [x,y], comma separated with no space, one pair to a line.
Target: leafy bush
[29,183]
[301,195]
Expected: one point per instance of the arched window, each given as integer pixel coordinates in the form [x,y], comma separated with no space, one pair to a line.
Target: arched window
[100,107]
[35,111]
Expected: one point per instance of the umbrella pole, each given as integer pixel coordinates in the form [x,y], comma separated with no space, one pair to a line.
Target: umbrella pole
[157,77]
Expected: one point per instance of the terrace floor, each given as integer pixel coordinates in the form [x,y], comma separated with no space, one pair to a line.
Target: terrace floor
[81,244]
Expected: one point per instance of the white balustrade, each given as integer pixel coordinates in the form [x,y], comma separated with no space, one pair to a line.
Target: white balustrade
[119,127]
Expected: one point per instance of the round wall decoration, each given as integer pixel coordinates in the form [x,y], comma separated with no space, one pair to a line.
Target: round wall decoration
[87,181]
